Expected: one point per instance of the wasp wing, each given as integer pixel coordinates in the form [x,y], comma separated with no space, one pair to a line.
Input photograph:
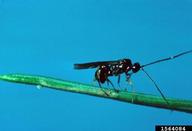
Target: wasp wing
[94,64]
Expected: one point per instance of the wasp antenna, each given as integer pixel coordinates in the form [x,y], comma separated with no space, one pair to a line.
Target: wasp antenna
[168,58]
[156,86]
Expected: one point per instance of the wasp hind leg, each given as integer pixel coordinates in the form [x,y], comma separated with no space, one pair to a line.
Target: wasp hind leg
[102,88]
[108,81]
[118,80]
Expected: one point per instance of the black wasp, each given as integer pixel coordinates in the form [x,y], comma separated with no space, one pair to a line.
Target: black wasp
[106,69]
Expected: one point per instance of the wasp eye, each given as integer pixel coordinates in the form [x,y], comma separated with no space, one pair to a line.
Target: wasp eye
[136,67]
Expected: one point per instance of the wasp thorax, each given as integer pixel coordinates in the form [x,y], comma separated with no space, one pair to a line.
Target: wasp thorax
[126,65]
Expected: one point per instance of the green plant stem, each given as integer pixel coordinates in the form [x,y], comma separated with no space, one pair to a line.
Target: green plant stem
[130,97]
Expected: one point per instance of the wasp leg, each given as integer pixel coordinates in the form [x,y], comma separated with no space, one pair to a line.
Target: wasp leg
[112,85]
[118,81]
[133,91]
[128,76]
[107,83]
[128,79]
[100,85]
[102,88]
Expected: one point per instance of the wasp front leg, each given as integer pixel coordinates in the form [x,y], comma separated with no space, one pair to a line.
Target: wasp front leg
[128,78]
[133,91]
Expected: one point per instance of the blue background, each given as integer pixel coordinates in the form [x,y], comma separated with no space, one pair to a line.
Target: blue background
[47,37]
